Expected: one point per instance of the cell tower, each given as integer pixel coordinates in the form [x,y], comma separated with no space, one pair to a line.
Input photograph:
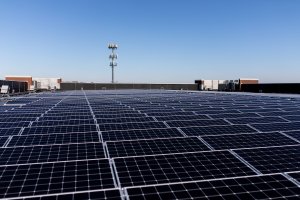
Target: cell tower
[113,56]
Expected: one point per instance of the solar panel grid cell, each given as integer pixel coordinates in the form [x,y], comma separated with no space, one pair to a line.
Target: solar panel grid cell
[113,194]
[3,140]
[294,134]
[256,120]
[285,126]
[48,139]
[140,134]
[248,140]
[50,153]
[9,131]
[257,187]
[129,126]
[155,146]
[187,123]
[135,171]
[60,129]
[59,177]
[273,159]
[60,123]
[217,130]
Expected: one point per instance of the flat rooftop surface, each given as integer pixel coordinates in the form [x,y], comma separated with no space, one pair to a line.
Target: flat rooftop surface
[150,144]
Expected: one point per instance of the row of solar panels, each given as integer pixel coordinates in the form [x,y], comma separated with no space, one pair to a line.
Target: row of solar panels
[152,171]
[152,162]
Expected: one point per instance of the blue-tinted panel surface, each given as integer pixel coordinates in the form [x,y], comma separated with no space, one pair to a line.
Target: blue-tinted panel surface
[135,171]
[257,187]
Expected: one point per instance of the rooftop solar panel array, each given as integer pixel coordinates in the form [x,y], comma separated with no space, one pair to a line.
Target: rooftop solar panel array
[155,144]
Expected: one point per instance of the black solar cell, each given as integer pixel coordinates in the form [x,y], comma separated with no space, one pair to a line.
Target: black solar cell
[162,113]
[295,118]
[296,176]
[129,126]
[59,177]
[280,113]
[256,187]
[248,140]
[204,122]
[155,146]
[294,134]
[59,129]
[63,123]
[273,159]
[13,124]
[50,153]
[3,140]
[140,134]
[63,118]
[288,126]
[237,115]
[124,120]
[46,139]
[181,117]
[213,112]
[107,116]
[135,171]
[9,131]
[217,130]
[256,120]
[110,194]
[17,119]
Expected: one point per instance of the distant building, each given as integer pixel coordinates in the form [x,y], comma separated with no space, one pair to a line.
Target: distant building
[37,83]
[224,85]
[27,79]
[48,83]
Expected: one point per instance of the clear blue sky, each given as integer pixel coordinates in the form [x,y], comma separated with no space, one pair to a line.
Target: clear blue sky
[159,40]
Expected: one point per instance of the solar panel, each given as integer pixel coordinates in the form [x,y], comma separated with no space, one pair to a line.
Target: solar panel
[295,175]
[186,123]
[294,134]
[135,171]
[140,134]
[60,123]
[118,144]
[277,126]
[128,126]
[58,177]
[280,113]
[273,159]
[252,187]
[51,153]
[124,120]
[109,194]
[17,119]
[9,131]
[181,117]
[157,114]
[212,112]
[59,129]
[217,130]
[63,118]
[47,139]
[248,140]
[295,118]
[3,140]
[256,120]
[13,124]
[155,146]
[119,115]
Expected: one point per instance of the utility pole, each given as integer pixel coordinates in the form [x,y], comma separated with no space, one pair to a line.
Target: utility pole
[113,56]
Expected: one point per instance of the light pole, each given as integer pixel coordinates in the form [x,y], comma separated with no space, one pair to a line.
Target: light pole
[112,57]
